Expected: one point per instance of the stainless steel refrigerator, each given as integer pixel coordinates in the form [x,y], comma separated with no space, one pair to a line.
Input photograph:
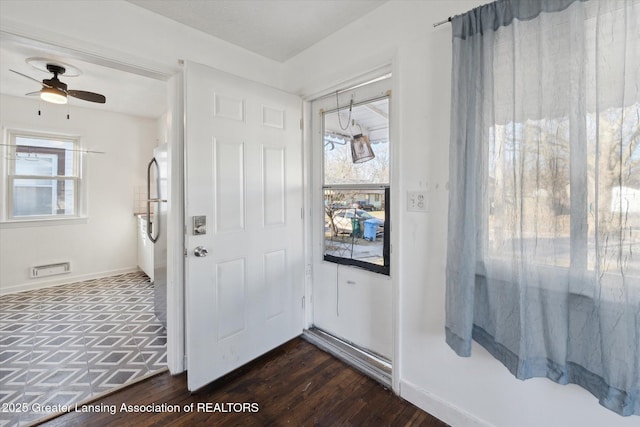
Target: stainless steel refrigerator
[157,186]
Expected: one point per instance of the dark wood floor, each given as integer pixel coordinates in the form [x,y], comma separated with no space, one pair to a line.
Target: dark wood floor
[296,384]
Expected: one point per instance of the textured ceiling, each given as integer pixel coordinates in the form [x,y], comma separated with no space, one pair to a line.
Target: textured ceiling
[276,29]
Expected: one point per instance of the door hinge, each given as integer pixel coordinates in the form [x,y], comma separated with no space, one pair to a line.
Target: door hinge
[184,252]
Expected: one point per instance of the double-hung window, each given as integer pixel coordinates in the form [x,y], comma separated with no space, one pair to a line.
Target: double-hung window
[356,185]
[43,176]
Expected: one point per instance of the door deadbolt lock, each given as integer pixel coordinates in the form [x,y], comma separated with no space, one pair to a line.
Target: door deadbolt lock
[200,251]
[199,225]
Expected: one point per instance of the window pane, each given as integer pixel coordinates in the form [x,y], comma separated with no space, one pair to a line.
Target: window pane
[355,225]
[370,120]
[44,157]
[39,197]
[529,193]
[614,191]
[36,164]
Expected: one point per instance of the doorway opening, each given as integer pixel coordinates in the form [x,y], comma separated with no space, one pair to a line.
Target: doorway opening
[351,159]
[66,340]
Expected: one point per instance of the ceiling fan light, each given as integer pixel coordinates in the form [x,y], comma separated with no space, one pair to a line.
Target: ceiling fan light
[53,95]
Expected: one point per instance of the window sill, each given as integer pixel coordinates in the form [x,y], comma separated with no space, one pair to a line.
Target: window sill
[374,268]
[609,286]
[40,222]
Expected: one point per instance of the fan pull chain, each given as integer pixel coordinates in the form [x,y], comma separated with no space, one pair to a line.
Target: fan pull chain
[67,111]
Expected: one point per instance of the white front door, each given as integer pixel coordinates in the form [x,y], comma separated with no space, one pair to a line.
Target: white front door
[244,178]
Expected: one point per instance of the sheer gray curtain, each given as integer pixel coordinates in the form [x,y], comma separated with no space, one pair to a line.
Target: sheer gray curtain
[543,264]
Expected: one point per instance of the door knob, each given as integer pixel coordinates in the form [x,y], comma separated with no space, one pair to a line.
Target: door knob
[200,251]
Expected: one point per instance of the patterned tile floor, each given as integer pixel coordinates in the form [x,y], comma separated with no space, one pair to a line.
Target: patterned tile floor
[70,343]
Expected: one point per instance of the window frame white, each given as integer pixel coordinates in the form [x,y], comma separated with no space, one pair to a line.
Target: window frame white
[361,94]
[8,176]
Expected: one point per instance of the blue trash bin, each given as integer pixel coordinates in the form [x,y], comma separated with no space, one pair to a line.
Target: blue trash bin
[370,229]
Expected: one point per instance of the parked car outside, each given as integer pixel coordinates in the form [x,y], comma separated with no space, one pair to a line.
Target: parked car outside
[364,205]
[342,219]
[338,205]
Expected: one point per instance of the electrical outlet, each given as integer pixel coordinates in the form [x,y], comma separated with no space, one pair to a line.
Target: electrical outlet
[417,201]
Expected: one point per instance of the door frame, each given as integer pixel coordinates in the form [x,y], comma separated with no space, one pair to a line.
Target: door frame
[310,165]
[176,325]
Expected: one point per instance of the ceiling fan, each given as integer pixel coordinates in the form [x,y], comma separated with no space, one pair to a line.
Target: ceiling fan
[55,91]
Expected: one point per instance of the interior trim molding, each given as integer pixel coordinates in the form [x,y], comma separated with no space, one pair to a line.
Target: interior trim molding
[64,280]
[176,327]
[153,71]
[379,72]
[443,410]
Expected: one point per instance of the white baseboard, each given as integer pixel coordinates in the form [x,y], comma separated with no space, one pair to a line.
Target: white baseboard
[439,408]
[63,280]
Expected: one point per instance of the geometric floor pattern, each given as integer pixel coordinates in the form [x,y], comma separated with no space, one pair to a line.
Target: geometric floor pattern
[68,344]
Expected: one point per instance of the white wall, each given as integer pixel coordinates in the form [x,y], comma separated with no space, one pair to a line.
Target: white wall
[118,30]
[106,242]
[462,391]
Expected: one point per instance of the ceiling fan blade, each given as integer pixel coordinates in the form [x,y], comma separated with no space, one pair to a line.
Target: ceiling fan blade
[87,96]
[29,77]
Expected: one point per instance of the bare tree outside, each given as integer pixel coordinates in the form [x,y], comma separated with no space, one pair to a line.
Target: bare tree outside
[529,189]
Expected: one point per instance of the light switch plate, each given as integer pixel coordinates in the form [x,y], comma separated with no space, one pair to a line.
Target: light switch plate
[417,201]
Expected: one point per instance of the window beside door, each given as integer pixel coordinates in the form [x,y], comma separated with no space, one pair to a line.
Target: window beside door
[356,185]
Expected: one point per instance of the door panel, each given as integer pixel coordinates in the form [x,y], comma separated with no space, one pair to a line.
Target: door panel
[274,171]
[229,189]
[231,289]
[275,264]
[244,175]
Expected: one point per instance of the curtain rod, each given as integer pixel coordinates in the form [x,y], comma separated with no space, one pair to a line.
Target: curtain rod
[442,22]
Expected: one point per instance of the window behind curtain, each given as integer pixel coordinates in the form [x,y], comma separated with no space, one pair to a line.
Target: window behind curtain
[543,257]
[552,117]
